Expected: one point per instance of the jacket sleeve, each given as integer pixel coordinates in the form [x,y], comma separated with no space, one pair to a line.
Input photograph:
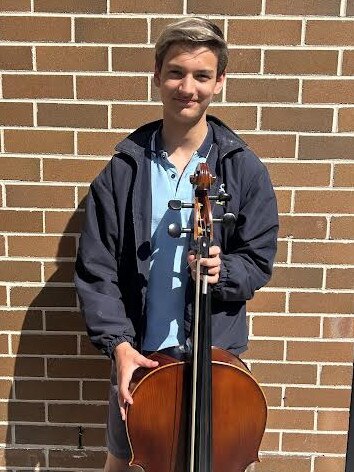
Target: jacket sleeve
[96,276]
[246,264]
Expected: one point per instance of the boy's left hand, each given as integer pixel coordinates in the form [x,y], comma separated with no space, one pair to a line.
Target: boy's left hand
[213,262]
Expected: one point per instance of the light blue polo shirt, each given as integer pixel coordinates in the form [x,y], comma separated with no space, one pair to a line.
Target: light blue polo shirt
[168,268]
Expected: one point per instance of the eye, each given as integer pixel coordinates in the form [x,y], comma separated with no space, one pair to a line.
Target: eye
[203,77]
[175,73]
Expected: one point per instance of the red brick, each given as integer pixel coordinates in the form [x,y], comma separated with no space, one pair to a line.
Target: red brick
[283,200]
[19,5]
[273,463]
[296,277]
[5,389]
[38,297]
[297,119]
[244,61]
[112,88]
[328,91]
[303,7]
[42,246]
[15,168]
[321,302]
[15,58]
[227,7]
[45,434]
[280,326]
[22,367]
[325,147]
[3,296]
[21,221]
[265,350]
[86,347]
[79,368]
[98,143]
[297,62]
[4,344]
[285,373]
[267,302]
[111,30]
[77,458]
[301,442]
[273,395]
[277,32]
[336,375]
[299,175]
[44,344]
[22,411]
[342,227]
[20,271]
[327,464]
[317,397]
[59,271]
[318,351]
[97,390]
[21,320]
[270,442]
[47,390]
[322,201]
[236,117]
[40,196]
[303,227]
[72,170]
[132,116]
[71,6]
[64,221]
[133,59]
[72,115]
[344,175]
[348,62]
[17,28]
[16,114]
[338,327]
[21,457]
[262,90]
[340,278]
[38,86]
[69,58]
[76,413]
[271,145]
[290,419]
[147,6]
[64,321]
[345,119]
[39,142]
[335,32]
[333,420]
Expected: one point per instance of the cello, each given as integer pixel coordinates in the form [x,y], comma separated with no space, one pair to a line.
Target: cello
[200,409]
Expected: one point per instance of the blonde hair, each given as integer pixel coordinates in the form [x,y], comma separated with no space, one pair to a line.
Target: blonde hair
[193,32]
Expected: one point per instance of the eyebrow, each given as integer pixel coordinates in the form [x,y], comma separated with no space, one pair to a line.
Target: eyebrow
[200,71]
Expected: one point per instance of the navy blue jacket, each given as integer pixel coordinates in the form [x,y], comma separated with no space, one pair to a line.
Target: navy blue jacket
[112,268]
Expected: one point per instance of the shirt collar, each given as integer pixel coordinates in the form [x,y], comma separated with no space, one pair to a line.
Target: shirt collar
[202,151]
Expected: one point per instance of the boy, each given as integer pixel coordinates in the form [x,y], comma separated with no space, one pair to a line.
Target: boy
[134,281]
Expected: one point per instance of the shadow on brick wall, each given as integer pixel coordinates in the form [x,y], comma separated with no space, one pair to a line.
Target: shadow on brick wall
[57,402]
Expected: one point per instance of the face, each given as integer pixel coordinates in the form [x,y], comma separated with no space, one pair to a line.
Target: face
[188,81]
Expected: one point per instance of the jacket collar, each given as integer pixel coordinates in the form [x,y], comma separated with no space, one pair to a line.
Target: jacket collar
[137,144]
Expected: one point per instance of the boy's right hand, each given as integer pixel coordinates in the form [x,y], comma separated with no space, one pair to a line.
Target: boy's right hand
[128,360]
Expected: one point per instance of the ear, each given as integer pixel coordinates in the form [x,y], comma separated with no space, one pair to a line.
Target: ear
[157,77]
[220,80]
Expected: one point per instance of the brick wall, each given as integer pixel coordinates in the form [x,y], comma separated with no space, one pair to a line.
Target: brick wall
[77,77]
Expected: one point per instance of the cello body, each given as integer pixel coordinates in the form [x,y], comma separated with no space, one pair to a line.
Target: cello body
[158,421]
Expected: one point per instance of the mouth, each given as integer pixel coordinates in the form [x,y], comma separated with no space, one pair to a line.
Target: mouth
[186,102]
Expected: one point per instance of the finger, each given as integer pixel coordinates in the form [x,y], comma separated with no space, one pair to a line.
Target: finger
[213,279]
[211,261]
[143,361]
[214,251]
[214,270]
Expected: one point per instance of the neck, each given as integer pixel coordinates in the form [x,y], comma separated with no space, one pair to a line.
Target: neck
[183,138]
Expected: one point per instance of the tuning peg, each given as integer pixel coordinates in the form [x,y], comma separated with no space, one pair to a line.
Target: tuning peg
[177,205]
[175,230]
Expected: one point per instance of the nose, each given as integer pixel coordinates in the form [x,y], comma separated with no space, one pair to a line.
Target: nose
[187,85]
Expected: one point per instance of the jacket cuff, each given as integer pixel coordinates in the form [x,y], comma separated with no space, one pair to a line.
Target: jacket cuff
[109,350]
